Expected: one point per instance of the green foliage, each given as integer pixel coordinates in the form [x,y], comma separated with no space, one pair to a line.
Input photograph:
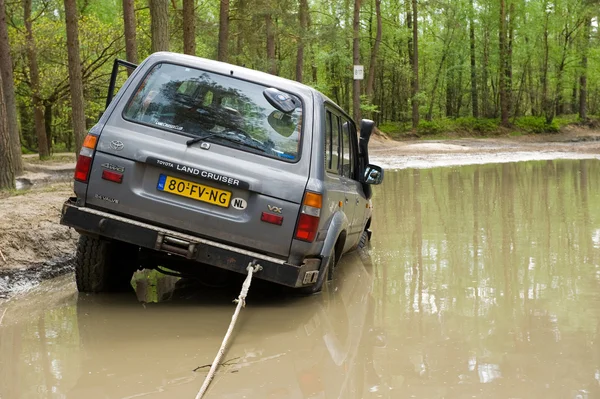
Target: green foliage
[25,150]
[367,107]
[536,124]
[481,126]
[428,128]
[444,94]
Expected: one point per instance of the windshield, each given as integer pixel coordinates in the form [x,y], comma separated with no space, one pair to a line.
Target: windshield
[233,112]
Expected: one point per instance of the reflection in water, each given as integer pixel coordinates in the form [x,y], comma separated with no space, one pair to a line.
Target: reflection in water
[492,279]
[482,281]
[118,347]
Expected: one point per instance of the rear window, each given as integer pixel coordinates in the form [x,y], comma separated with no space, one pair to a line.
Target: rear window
[233,112]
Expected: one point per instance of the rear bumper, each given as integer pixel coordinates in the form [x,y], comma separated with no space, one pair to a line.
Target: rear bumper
[95,222]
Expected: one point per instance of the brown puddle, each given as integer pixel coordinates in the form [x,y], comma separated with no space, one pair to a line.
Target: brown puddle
[482,281]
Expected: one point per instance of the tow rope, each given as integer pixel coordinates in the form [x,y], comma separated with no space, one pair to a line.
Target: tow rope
[241,302]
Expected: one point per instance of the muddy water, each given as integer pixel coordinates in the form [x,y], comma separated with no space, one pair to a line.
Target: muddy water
[482,281]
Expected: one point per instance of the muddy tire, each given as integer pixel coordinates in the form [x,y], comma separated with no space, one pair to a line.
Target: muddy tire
[102,266]
[324,275]
[364,240]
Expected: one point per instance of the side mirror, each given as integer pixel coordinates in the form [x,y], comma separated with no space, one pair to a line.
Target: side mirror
[373,174]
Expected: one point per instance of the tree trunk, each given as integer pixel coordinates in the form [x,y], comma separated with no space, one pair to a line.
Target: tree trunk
[415,65]
[436,81]
[546,103]
[484,73]
[449,90]
[6,74]
[34,82]
[474,102]
[159,25]
[7,170]
[75,82]
[393,96]
[374,52]
[356,61]
[272,62]
[240,27]
[409,41]
[509,53]
[189,27]
[532,97]
[458,93]
[502,63]
[303,19]
[584,67]
[48,123]
[130,33]
[224,31]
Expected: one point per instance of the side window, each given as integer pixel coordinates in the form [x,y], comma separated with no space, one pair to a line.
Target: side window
[347,156]
[336,148]
[328,141]
[332,143]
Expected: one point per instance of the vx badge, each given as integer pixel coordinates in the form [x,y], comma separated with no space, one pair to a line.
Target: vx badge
[275,209]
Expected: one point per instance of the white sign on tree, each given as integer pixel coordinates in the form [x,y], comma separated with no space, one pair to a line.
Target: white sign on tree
[359,72]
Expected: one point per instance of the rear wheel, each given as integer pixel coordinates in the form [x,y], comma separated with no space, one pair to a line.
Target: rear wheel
[103,266]
[325,274]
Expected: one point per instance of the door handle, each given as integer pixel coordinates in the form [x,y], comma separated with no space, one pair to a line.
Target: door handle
[346,200]
[357,201]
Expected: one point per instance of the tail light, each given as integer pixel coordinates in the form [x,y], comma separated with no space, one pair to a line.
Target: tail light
[84,162]
[308,222]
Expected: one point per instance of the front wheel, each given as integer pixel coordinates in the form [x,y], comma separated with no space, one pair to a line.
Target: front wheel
[103,266]
[365,237]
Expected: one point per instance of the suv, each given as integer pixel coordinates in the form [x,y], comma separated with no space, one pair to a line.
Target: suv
[197,162]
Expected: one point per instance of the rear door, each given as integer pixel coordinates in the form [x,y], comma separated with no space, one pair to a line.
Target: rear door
[250,162]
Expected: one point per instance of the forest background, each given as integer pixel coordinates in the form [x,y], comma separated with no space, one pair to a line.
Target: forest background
[432,67]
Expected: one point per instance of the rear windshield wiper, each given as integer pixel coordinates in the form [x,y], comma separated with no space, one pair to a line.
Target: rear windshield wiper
[200,138]
[230,139]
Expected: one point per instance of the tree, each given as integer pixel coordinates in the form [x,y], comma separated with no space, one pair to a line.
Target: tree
[271,61]
[159,25]
[34,80]
[474,102]
[547,107]
[502,55]
[75,81]
[303,20]
[374,51]
[6,74]
[189,27]
[356,61]
[7,171]
[131,50]
[415,66]
[223,31]
[584,66]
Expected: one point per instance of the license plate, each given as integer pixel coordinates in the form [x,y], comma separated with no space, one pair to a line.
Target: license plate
[193,190]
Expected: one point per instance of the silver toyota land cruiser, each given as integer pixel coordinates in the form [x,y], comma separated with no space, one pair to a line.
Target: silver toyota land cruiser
[197,164]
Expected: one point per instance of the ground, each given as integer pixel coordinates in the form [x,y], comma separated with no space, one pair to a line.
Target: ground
[31,237]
